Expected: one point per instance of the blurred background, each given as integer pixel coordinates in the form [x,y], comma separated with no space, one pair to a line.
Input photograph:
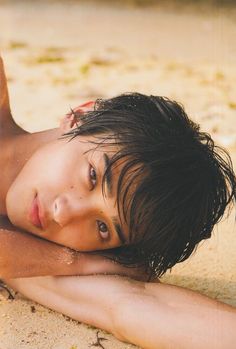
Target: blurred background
[59,54]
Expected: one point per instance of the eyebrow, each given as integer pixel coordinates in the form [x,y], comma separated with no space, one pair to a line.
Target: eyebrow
[119,231]
[108,177]
[109,185]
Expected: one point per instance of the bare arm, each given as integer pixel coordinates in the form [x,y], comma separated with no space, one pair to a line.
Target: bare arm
[149,315]
[4,98]
[25,255]
[22,255]
[7,123]
[5,113]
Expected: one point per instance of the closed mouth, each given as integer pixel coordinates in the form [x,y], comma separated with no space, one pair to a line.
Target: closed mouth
[34,214]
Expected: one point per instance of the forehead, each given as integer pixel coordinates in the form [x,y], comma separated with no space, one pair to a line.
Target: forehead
[103,148]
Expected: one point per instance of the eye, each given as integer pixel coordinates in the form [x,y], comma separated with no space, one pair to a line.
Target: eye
[103,230]
[92,177]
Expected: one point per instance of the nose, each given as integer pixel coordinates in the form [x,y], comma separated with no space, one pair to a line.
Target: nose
[67,208]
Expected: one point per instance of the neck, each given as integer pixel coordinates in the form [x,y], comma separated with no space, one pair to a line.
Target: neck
[16,150]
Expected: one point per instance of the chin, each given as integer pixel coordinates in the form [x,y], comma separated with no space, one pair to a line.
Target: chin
[15,208]
[16,219]
[13,216]
[9,207]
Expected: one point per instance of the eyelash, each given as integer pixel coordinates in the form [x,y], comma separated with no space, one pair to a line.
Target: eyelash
[93,181]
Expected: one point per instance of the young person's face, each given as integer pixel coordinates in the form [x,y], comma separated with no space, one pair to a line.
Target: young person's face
[58,196]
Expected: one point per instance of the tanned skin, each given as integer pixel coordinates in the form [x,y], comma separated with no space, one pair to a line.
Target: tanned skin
[150,315]
[22,254]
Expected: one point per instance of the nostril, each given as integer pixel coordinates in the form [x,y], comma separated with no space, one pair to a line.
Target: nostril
[56,211]
[55,207]
[61,211]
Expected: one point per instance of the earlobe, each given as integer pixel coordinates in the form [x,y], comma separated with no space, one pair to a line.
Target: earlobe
[67,123]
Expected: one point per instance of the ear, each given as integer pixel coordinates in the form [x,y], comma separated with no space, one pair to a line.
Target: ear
[69,121]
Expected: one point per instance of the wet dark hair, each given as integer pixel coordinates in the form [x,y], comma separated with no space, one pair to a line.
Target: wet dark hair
[183,181]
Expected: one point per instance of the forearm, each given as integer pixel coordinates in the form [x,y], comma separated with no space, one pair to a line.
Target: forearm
[148,315]
[23,255]
[82,298]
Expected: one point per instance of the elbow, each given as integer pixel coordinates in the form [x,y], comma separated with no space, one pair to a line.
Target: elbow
[121,318]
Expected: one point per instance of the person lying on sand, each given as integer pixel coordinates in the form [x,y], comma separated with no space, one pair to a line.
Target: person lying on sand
[133,179]
[98,181]
[37,180]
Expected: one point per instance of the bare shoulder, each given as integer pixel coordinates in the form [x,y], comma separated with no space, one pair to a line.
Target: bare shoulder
[4,98]
[7,123]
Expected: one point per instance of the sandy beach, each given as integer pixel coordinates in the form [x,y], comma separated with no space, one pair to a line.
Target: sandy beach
[61,54]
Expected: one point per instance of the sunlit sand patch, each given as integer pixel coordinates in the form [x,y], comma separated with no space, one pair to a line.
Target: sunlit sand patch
[232,105]
[64,80]
[44,59]
[15,45]
[37,56]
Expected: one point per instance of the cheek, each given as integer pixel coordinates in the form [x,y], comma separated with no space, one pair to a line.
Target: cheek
[61,168]
[38,174]
[17,210]
[49,171]
[19,196]
[82,236]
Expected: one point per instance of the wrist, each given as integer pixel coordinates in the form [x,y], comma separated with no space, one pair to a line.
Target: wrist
[70,262]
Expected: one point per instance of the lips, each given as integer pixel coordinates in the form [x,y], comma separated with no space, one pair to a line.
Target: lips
[34,214]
